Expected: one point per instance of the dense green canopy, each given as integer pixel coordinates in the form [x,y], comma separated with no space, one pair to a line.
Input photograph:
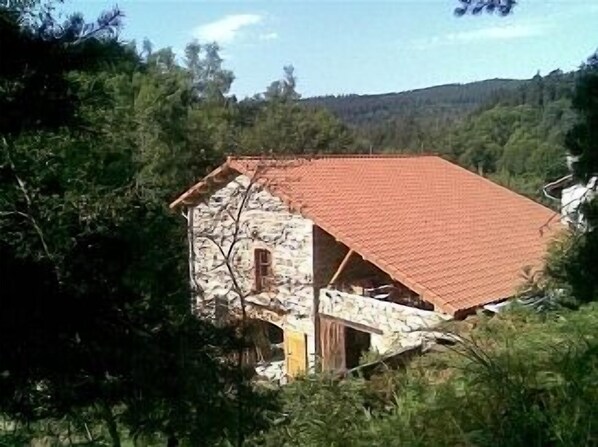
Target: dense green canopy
[95,142]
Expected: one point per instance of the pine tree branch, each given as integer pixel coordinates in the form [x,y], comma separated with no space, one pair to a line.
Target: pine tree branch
[30,214]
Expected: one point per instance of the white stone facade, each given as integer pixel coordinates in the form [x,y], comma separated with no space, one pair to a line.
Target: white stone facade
[263,221]
[573,199]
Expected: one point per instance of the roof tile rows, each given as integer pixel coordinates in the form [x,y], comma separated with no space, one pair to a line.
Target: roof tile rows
[452,236]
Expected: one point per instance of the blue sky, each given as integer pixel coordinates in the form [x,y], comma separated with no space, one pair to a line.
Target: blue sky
[366,46]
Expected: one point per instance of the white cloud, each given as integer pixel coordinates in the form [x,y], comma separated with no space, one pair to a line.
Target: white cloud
[492,33]
[504,32]
[269,36]
[225,29]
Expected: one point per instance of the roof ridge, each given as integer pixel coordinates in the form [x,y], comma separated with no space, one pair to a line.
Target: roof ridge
[334,156]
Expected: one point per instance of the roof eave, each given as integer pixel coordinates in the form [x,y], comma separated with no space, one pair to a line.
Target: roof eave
[205,186]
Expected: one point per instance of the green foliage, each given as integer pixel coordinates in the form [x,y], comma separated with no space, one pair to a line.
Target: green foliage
[275,123]
[520,146]
[210,81]
[572,265]
[429,104]
[282,127]
[411,121]
[319,411]
[501,7]
[37,53]
[521,379]
[582,139]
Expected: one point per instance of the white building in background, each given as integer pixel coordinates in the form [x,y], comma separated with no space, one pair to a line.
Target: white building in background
[572,195]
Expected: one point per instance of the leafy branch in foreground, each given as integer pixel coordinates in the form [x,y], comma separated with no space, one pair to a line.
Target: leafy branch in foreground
[502,7]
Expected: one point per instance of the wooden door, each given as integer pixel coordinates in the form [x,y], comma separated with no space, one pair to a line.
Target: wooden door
[332,345]
[295,352]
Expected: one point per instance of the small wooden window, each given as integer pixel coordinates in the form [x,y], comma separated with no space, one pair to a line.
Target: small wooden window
[264,277]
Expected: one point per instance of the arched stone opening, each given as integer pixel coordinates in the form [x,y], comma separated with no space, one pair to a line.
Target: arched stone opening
[268,344]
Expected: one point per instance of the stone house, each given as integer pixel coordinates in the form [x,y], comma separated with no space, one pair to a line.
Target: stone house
[333,256]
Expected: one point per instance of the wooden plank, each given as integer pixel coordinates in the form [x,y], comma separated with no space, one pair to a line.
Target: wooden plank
[189,197]
[332,345]
[351,324]
[396,360]
[295,353]
[341,267]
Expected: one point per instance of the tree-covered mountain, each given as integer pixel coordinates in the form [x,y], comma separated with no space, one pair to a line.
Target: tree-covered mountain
[407,120]
[439,103]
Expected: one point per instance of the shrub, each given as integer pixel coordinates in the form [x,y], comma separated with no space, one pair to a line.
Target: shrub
[520,379]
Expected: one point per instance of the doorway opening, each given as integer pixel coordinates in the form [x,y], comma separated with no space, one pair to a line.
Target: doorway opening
[267,341]
[356,344]
[342,344]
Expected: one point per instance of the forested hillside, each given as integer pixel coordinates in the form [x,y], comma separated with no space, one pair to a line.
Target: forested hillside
[512,131]
[433,102]
[403,120]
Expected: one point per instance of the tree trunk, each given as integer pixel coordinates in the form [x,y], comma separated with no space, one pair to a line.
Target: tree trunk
[108,417]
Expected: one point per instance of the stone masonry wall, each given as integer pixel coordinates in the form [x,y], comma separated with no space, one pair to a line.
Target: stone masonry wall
[264,222]
[401,326]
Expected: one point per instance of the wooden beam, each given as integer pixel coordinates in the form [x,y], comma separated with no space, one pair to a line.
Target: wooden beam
[352,325]
[341,267]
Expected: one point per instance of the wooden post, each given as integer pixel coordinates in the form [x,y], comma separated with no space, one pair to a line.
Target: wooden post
[341,267]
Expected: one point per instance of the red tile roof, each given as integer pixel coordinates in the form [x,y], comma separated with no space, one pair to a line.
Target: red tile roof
[452,236]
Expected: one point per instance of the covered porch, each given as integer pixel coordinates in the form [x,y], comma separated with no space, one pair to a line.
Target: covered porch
[352,325]
[362,310]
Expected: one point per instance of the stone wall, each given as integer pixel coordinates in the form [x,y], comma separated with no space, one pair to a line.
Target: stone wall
[400,325]
[263,222]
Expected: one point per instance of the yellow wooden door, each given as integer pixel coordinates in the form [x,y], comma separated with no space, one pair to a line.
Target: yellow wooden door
[295,353]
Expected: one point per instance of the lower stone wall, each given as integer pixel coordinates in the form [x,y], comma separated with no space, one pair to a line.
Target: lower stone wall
[400,325]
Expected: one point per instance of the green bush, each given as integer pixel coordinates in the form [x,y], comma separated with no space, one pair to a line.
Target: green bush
[572,266]
[519,380]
